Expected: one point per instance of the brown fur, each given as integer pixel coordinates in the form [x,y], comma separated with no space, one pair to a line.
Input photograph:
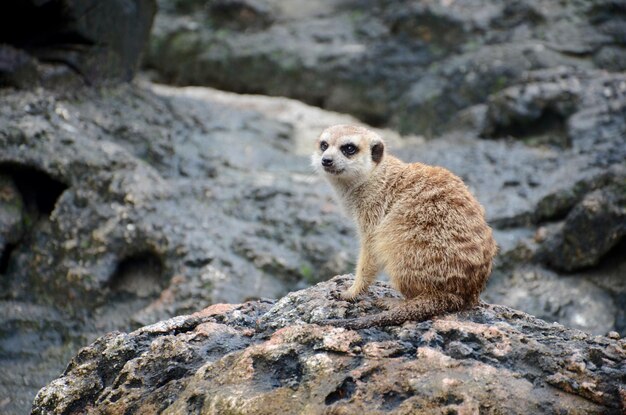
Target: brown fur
[417,222]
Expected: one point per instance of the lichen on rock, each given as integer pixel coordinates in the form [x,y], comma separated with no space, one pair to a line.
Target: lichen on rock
[268,357]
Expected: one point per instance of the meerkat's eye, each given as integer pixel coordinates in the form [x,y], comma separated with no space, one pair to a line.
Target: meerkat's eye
[323,145]
[349,149]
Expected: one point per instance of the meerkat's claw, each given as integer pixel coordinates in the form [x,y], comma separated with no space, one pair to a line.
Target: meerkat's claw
[349,295]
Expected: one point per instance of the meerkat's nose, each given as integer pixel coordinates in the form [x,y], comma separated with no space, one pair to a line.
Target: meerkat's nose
[327,162]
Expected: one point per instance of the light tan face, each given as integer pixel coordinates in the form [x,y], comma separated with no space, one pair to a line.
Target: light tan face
[346,152]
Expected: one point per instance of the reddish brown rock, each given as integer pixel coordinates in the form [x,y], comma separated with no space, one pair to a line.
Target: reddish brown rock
[268,358]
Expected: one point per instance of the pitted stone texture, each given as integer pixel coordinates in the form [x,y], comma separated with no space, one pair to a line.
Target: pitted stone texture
[259,358]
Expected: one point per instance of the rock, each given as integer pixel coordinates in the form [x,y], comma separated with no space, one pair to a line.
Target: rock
[581,112]
[98,41]
[17,68]
[264,357]
[539,103]
[123,206]
[468,79]
[590,230]
[140,202]
[33,350]
[574,301]
[411,65]
[119,179]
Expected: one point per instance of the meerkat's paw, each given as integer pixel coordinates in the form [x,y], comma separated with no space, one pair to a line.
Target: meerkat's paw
[348,296]
[387,303]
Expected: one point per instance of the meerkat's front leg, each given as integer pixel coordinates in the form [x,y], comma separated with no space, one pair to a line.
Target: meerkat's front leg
[366,272]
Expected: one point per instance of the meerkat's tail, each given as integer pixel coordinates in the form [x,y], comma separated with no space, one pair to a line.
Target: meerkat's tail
[416,309]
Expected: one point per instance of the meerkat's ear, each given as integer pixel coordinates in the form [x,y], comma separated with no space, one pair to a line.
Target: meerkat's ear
[378,148]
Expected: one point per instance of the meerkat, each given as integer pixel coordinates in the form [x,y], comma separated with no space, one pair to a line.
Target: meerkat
[417,222]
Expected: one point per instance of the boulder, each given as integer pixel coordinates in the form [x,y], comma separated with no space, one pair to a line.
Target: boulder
[582,113]
[126,205]
[410,65]
[591,229]
[268,357]
[58,40]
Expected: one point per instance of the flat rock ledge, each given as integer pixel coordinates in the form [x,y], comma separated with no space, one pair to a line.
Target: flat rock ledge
[267,357]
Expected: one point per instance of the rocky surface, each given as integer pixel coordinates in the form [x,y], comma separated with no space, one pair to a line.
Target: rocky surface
[61,42]
[264,357]
[123,205]
[126,205]
[408,64]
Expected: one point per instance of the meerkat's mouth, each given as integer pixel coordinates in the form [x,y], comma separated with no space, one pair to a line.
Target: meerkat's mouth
[333,170]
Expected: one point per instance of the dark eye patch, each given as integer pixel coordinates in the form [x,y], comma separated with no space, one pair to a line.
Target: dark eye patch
[323,145]
[349,149]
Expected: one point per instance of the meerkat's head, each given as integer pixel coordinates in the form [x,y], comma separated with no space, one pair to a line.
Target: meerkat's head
[347,152]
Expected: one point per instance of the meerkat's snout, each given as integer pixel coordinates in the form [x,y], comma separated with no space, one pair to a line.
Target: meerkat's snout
[329,165]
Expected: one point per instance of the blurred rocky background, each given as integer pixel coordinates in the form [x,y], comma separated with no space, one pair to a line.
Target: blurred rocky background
[124,203]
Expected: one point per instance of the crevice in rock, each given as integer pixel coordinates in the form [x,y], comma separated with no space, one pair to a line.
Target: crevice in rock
[615,257]
[548,128]
[171,374]
[451,399]
[611,268]
[45,30]
[240,14]
[32,27]
[38,189]
[393,399]
[39,193]
[375,120]
[139,275]
[606,11]
[344,391]
[5,255]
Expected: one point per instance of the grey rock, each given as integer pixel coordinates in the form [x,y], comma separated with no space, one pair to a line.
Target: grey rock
[468,79]
[590,230]
[150,201]
[411,65]
[112,211]
[98,41]
[574,301]
[17,68]
[221,359]
[581,112]
[132,203]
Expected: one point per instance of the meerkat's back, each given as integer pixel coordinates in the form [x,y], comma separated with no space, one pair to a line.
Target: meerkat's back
[434,237]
